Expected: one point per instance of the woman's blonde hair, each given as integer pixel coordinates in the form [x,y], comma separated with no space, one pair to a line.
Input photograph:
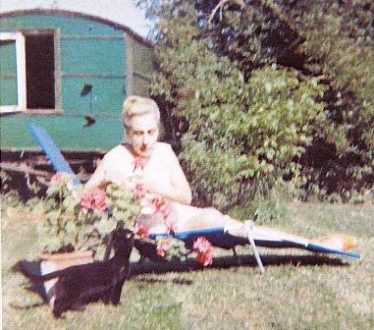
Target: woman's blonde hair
[137,106]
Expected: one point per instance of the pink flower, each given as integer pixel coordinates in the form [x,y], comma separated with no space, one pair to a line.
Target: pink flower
[161,206]
[170,227]
[163,246]
[57,178]
[86,202]
[202,244]
[140,190]
[94,200]
[141,230]
[164,211]
[139,163]
[204,251]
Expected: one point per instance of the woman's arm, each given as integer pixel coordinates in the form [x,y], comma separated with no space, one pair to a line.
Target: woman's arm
[97,178]
[179,181]
[177,187]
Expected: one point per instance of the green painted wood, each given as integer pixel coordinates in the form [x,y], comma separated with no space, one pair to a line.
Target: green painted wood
[98,55]
[107,96]
[69,25]
[68,133]
[93,58]
[8,73]
[91,52]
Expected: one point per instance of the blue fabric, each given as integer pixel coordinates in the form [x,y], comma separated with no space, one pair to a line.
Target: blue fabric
[211,232]
[322,249]
[185,235]
[53,153]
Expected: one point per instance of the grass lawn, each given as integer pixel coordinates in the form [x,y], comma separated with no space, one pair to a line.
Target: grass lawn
[298,290]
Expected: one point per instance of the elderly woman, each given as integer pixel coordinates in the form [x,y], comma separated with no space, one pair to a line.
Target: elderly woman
[152,170]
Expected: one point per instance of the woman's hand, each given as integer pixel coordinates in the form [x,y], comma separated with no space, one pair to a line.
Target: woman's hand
[173,186]
[139,186]
[168,190]
[155,187]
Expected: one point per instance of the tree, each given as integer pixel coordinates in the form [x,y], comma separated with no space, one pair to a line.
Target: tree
[266,87]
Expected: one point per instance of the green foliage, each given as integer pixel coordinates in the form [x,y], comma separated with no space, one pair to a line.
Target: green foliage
[4,181]
[121,204]
[268,205]
[269,89]
[345,61]
[241,132]
[9,197]
[252,136]
[175,249]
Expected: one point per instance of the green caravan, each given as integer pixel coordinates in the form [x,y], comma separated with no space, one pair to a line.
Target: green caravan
[68,73]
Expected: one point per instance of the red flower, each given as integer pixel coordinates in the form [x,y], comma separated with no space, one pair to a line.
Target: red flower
[94,200]
[141,230]
[140,190]
[163,246]
[204,251]
[205,258]
[57,178]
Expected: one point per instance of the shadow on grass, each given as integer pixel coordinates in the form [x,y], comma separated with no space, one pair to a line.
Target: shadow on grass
[31,268]
[18,307]
[230,261]
[177,281]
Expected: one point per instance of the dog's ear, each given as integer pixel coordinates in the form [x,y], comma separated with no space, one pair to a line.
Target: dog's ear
[129,235]
[120,224]
[108,246]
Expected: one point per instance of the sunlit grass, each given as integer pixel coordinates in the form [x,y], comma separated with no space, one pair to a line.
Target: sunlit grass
[288,296]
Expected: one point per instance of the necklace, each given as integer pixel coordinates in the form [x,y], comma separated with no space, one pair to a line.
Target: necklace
[139,162]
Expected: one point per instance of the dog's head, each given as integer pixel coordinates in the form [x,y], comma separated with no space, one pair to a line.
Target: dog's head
[123,241]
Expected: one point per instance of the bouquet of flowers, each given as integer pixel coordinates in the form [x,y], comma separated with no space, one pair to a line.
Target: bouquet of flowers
[77,220]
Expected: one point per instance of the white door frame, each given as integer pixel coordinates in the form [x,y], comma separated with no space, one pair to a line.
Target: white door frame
[19,38]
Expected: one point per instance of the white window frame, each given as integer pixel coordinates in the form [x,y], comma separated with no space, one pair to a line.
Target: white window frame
[19,38]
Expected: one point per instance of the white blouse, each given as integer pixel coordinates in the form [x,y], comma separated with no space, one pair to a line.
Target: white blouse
[162,168]
[118,166]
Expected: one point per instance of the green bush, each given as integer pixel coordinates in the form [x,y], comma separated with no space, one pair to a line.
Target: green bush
[240,133]
[247,78]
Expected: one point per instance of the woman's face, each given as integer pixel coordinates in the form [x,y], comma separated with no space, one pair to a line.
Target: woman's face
[143,134]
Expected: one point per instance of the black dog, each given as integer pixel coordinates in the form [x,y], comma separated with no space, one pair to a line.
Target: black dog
[78,285]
